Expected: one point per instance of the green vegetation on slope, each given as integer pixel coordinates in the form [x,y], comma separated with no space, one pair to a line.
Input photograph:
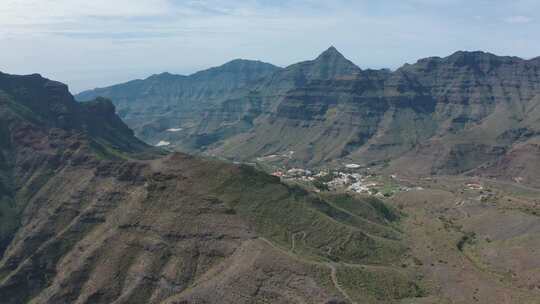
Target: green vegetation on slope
[290,215]
[377,284]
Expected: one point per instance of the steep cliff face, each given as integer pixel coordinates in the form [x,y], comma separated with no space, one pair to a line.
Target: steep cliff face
[49,105]
[42,129]
[484,106]
[477,77]
[85,218]
[437,116]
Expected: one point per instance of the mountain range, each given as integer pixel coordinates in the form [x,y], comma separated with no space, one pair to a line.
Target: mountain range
[469,113]
[90,214]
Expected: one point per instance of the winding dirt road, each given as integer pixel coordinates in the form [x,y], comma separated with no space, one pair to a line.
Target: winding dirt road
[332,266]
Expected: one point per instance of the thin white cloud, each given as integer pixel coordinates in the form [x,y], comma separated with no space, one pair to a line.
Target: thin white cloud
[85,7]
[90,43]
[38,12]
[518,19]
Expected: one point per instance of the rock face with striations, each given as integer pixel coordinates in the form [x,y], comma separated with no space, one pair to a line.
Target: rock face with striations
[90,214]
[462,113]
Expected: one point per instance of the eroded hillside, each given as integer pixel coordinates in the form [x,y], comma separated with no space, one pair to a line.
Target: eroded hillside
[89,214]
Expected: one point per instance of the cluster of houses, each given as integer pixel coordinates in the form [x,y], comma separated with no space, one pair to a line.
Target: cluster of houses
[347,180]
[352,178]
[295,173]
[353,182]
[474,186]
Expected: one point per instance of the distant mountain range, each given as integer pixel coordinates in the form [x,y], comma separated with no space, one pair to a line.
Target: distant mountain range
[470,112]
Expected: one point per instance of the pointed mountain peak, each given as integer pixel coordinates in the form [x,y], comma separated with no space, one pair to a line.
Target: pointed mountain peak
[331,53]
[334,58]
[332,64]
[332,49]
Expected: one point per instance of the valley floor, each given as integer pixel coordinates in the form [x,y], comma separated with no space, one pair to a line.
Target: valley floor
[475,246]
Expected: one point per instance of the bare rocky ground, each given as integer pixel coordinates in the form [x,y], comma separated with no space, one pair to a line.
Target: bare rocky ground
[475,246]
[160,239]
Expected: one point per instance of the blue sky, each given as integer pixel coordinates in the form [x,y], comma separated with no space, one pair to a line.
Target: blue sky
[88,44]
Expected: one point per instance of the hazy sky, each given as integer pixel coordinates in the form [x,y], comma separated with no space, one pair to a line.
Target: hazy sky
[91,43]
